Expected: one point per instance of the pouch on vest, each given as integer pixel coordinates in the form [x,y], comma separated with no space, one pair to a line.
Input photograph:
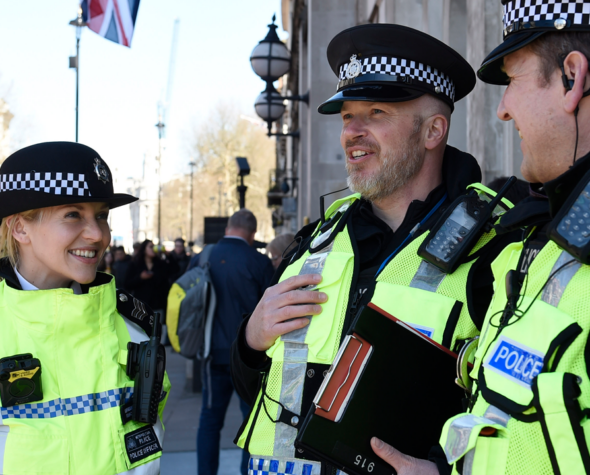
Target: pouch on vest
[525,348]
[560,415]
[477,444]
[433,314]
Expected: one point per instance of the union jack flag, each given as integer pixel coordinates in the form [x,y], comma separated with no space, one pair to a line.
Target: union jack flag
[111,19]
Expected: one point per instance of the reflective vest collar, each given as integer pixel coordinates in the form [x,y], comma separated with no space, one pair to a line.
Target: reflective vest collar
[59,310]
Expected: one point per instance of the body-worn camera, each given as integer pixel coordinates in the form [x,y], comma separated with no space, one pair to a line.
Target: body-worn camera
[20,380]
[570,229]
[459,228]
[146,362]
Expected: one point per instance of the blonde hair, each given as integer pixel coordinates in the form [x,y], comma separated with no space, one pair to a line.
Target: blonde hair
[9,245]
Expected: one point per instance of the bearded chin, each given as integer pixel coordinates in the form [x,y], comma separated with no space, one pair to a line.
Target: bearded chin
[396,170]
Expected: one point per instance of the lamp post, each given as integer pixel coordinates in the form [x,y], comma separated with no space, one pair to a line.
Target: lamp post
[243,170]
[270,60]
[190,233]
[219,185]
[160,125]
[75,60]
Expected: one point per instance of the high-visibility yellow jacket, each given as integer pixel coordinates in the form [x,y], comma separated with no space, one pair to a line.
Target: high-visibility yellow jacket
[408,287]
[81,342]
[532,375]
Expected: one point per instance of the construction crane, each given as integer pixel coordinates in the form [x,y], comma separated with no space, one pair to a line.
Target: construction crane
[163,108]
[164,105]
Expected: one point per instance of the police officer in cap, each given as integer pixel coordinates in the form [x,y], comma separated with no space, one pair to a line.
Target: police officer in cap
[396,90]
[64,327]
[530,400]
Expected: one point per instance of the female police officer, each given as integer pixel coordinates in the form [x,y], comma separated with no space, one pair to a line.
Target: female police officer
[67,400]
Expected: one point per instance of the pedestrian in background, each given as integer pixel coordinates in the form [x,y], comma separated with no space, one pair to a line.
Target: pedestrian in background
[106,263]
[121,266]
[179,259]
[147,278]
[240,275]
[279,246]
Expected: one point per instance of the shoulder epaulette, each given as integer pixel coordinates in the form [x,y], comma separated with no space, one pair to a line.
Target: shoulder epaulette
[136,311]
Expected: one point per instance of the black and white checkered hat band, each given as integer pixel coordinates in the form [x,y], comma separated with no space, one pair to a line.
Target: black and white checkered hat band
[526,11]
[404,67]
[68,184]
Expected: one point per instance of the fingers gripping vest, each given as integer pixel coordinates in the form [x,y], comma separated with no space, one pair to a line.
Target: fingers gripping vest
[81,341]
[533,372]
[407,288]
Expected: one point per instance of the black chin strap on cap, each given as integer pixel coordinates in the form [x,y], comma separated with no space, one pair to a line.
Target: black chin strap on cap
[568,84]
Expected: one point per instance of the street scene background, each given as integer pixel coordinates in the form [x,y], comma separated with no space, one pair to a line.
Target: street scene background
[188,71]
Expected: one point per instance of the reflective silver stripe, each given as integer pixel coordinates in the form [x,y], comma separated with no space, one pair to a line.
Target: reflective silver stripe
[295,365]
[282,466]
[460,431]
[497,415]
[493,414]
[428,277]
[4,430]
[556,286]
[468,462]
[293,379]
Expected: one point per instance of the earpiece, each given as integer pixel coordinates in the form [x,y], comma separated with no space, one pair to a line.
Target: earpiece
[567,83]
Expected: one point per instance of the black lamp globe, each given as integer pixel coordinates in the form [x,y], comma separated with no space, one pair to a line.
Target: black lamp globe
[271,59]
[269,105]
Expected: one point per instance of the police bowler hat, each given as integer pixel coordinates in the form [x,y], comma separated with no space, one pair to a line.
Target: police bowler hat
[393,63]
[53,174]
[526,20]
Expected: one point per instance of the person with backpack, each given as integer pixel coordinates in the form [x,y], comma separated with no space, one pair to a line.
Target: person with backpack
[239,275]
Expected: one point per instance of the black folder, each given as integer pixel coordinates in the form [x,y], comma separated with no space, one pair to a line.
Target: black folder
[388,381]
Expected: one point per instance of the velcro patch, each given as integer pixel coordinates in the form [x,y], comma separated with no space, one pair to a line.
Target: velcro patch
[141,443]
[515,361]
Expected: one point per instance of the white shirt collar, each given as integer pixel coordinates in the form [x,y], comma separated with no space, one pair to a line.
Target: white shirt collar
[26,285]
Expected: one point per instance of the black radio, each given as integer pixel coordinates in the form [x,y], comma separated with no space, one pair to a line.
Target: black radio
[459,228]
[20,380]
[146,363]
[570,229]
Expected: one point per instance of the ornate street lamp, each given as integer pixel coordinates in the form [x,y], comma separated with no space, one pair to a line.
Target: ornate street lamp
[75,60]
[270,60]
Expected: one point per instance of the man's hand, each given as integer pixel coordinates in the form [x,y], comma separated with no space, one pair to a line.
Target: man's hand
[279,305]
[404,464]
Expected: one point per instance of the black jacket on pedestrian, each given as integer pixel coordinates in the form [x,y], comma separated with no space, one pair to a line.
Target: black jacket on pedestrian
[120,269]
[240,275]
[376,241]
[152,291]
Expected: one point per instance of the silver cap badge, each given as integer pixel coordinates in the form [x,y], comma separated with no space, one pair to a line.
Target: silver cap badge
[354,67]
[101,170]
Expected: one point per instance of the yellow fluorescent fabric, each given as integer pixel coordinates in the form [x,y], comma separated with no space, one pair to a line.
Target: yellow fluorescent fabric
[79,340]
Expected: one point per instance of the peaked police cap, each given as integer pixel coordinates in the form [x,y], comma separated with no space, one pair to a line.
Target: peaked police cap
[526,20]
[393,63]
[54,174]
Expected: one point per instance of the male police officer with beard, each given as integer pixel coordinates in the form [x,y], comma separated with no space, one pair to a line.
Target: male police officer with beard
[530,403]
[396,91]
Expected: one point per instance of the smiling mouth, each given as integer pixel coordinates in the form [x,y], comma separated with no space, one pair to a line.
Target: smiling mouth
[81,253]
[358,154]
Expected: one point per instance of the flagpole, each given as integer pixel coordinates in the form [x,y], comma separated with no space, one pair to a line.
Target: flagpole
[75,60]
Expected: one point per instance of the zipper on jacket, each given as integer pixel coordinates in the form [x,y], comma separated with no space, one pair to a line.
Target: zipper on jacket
[357,299]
